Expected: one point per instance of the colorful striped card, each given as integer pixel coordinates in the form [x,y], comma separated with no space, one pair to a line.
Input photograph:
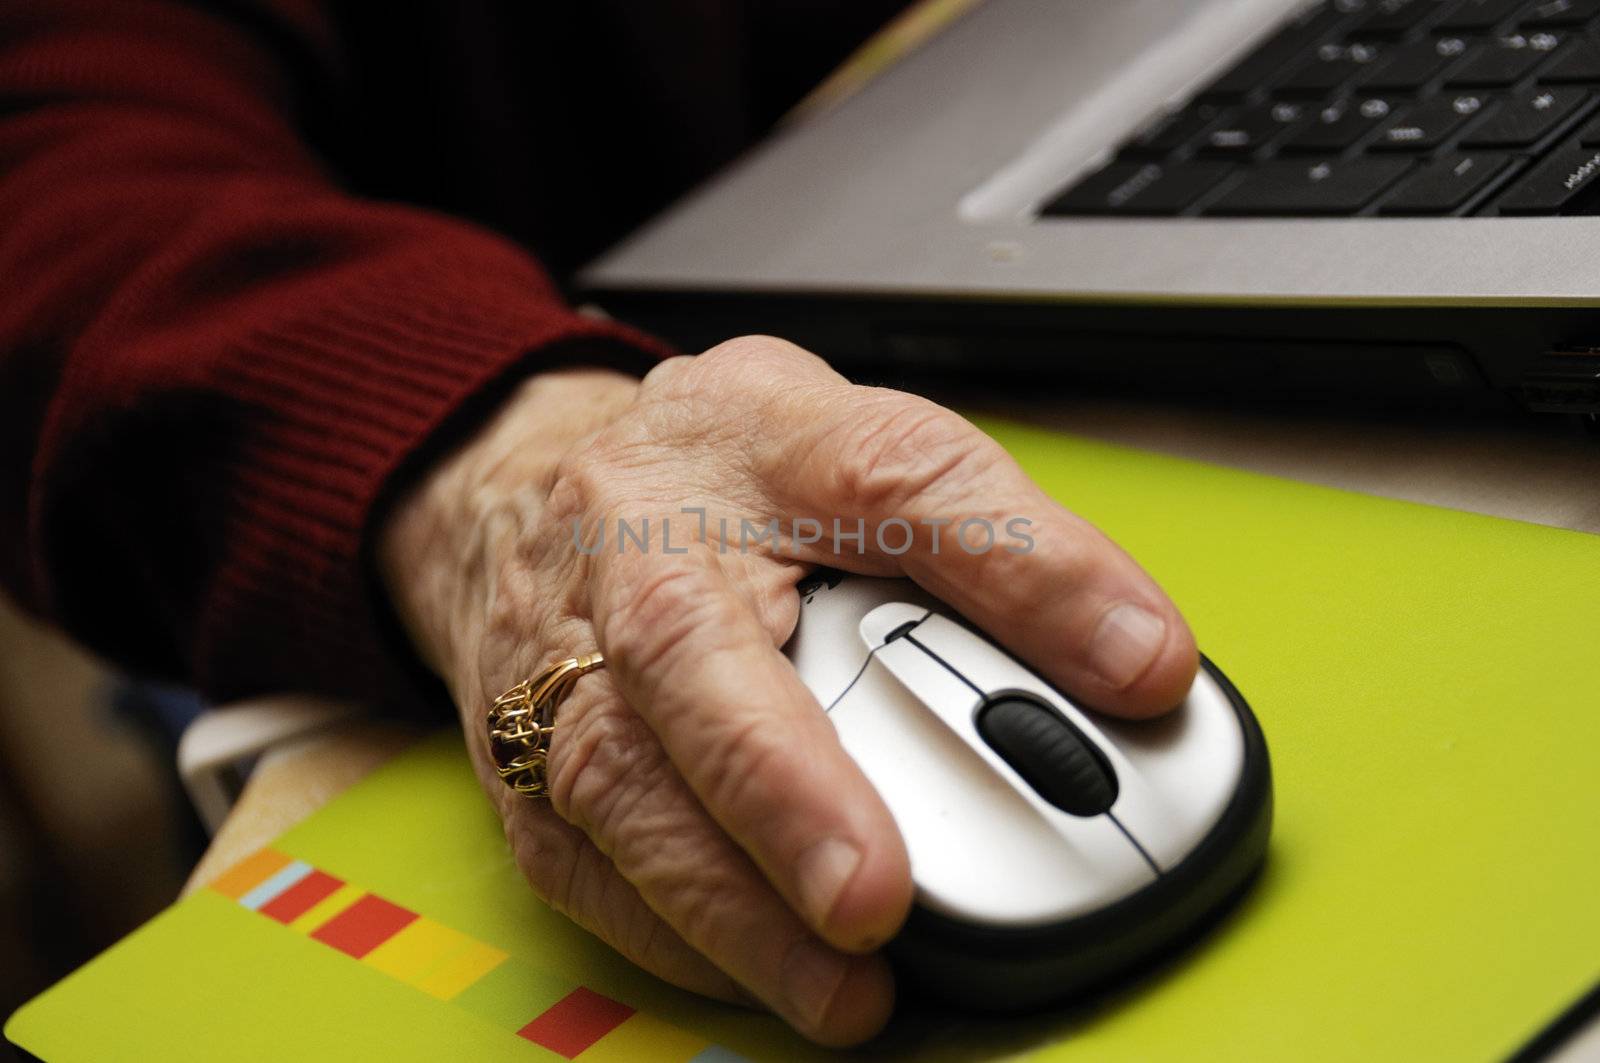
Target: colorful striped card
[381,928]
[451,966]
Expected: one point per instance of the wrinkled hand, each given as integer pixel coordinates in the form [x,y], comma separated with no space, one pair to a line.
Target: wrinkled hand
[702,817]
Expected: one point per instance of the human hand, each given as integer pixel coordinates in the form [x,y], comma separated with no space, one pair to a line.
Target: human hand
[703,818]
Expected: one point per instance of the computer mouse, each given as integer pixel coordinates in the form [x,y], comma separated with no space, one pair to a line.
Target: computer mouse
[1053,848]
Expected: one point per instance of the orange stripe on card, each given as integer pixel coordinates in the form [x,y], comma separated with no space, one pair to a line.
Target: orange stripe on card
[249,873]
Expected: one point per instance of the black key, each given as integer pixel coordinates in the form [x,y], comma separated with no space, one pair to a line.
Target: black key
[1445,184]
[1330,66]
[1339,124]
[1429,124]
[1564,183]
[1589,135]
[1561,13]
[1527,118]
[1140,188]
[1287,45]
[1287,187]
[1479,16]
[1579,61]
[1505,59]
[1173,131]
[1393,18]
[1410,66]
[1247,130]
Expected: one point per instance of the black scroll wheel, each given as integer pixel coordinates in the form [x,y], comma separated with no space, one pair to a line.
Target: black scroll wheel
[1053,756]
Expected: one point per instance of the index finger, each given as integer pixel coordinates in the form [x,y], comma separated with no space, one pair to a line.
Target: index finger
[1054,589]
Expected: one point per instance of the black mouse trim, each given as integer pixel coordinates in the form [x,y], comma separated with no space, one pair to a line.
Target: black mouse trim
[1565,1027]
[1008,969]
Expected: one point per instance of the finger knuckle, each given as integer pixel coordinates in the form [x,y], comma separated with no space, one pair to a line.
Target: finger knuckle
[665,374]
[757,368]
[598,769]
[531,607]
[685,874]
[662,609]
[1069,558]
[586,479]
[745,758]
[699,912]
[755,348]
[905,448]
[776,604]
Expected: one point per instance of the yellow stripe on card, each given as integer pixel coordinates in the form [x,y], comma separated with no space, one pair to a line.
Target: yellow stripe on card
[643,1036]
[416,949]
[450,978]
[327,908]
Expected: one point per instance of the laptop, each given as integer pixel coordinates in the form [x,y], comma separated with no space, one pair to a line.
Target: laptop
[1347,199]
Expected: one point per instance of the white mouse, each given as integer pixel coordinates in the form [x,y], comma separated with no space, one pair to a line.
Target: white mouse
[1052,848]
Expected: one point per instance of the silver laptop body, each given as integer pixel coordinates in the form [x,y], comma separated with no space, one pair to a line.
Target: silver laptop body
[903,229]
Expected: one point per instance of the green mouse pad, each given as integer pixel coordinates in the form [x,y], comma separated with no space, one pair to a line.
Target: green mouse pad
[1429,685]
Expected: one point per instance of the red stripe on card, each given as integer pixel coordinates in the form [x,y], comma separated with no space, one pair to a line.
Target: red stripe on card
[575,1022]
[300,898]
[364,926]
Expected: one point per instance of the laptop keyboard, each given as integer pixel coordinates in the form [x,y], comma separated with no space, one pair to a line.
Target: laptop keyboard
[1380,108]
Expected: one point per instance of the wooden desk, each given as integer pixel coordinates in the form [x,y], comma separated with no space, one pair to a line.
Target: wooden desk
[1543,471]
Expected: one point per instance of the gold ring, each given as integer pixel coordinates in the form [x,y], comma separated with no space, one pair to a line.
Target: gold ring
[522,720]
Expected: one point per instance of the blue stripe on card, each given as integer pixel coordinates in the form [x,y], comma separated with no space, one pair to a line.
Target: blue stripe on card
[294,872]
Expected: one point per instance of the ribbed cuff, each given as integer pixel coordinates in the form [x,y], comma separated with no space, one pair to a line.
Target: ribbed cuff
[353,400]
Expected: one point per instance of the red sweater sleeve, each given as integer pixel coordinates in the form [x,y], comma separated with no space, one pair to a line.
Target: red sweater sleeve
[215,366]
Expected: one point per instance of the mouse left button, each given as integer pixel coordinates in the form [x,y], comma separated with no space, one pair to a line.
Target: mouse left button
[826,648]
[1055,758]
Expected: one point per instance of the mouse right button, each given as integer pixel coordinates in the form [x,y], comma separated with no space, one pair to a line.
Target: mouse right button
[1174,774]
[1193,757]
